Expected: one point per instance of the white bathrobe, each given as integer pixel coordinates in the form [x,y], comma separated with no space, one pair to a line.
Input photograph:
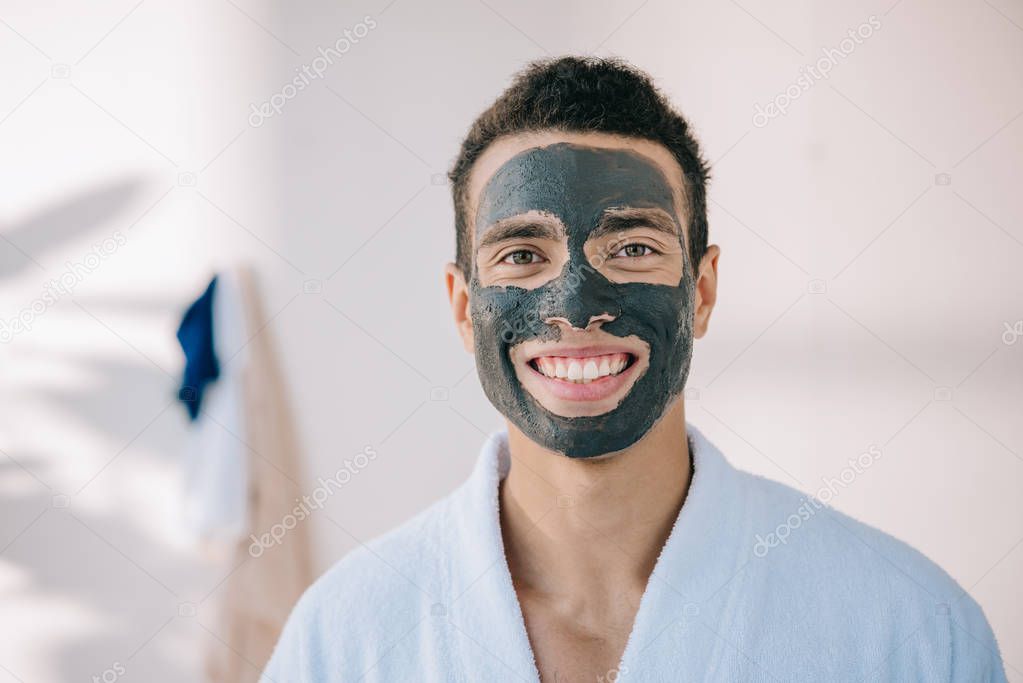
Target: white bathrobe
[835,601]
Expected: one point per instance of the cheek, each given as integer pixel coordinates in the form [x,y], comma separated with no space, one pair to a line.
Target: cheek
[503,316]
[661,313]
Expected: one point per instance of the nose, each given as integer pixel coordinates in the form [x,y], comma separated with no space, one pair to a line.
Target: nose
[580,300]
[594,321]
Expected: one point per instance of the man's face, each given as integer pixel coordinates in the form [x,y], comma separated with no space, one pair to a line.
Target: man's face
[581,293]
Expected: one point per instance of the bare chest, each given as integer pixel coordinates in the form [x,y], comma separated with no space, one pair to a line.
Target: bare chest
[569,649]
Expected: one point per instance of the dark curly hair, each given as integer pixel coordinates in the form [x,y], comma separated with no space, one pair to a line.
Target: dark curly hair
[583,94]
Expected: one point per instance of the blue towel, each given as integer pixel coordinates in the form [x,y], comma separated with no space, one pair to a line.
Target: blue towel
[195,334]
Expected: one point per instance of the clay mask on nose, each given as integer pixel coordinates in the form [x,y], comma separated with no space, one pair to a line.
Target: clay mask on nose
[577,184]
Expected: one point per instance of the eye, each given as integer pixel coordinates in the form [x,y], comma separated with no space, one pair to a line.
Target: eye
[522,257]
[634,250]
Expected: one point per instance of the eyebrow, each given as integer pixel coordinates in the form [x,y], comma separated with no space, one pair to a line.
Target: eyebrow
[519,227]
[620,219]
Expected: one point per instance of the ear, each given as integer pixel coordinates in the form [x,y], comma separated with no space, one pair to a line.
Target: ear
[458,295]
[706,290]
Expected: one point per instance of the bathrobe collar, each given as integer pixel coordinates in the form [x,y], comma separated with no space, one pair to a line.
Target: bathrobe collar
[702,553]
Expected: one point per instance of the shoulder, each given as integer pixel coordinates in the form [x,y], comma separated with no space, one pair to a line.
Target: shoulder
[858,578]
[791,526]
[366,602]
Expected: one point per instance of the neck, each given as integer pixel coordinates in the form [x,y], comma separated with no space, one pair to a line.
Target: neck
[589,530]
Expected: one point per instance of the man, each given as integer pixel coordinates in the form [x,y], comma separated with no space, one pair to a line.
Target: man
[601,538]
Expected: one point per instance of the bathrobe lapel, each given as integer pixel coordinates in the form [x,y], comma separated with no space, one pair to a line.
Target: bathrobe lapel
[684,611]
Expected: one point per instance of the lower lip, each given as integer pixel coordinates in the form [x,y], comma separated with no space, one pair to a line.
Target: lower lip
[596,390]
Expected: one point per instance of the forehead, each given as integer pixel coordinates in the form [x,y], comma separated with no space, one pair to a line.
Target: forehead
[518,172]
[574,182]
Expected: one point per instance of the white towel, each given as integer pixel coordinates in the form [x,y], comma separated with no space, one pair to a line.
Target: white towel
[216,481]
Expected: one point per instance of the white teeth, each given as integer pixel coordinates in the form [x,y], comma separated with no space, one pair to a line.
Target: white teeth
[583,370]
[575,370]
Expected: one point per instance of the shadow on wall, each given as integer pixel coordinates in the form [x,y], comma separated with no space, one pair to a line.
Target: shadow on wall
[91,606]
[97,588]
[106,589]
[64,221]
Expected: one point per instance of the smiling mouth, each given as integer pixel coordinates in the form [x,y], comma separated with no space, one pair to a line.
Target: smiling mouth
[583,370]
[582,377]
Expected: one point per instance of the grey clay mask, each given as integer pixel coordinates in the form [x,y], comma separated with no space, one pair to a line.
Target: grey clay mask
[577,184]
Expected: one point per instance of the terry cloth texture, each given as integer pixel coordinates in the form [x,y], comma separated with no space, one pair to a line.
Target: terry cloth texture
[838,601]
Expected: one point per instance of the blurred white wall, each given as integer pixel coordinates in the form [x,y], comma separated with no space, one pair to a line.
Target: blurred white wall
[870,280]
